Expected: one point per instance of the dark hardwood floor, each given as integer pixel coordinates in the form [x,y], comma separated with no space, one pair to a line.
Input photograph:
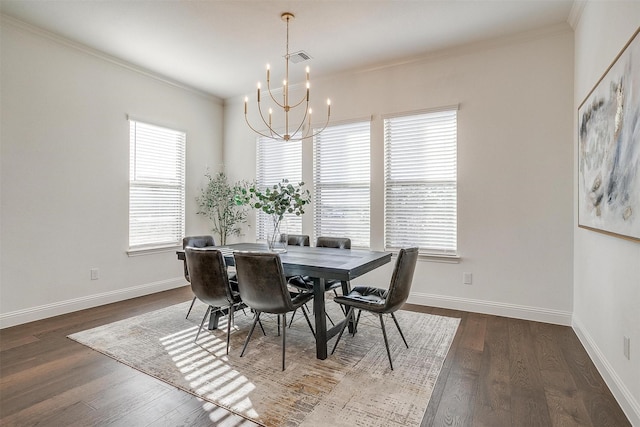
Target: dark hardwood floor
[499,372]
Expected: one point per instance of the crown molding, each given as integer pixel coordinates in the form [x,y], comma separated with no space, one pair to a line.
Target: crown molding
[29,28]
[576,12]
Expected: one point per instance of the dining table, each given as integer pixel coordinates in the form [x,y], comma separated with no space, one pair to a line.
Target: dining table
[319,264]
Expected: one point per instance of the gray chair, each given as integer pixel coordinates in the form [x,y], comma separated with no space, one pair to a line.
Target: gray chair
[382,301]
[195,242]
[201,242]
[338,243]
[263,287]
[295,239]
[306,283]
[210,283]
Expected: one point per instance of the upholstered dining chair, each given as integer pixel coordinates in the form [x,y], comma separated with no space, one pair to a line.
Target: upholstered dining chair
[338,243]
[295,239]
[195,242]
[382,301]
[306,283]
[202,242]
[210,283]
[263,287]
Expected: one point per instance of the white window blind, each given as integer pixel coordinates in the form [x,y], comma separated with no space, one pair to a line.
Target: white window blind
[278,160]
[421,182]
[341,170]
[156,185]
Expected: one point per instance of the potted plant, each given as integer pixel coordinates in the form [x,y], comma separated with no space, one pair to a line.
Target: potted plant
[276,201]
[217,201]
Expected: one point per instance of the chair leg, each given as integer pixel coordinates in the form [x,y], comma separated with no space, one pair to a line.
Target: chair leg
[229,320]
[344,325]
[306,316]
[292,316]
[253,326]
[278,325]
[386,343]
[202,323]
[393,316]
[355,327]
[284,335]
[327,314]
[190,307]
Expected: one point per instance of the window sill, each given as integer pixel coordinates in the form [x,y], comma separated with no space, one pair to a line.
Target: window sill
[152,250]
[447,259]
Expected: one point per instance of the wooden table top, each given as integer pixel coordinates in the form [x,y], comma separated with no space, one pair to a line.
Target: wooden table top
[330,263]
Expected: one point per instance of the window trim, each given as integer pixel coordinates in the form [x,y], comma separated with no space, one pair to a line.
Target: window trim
[151,248]
[363,122]
[424,254]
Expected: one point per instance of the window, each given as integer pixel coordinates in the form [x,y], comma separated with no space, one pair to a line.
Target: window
[278,160]
[421,182]
[156,186]
[341,170]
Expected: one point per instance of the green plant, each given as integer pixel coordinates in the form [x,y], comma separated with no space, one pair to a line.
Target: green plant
[276,201]
[217,201]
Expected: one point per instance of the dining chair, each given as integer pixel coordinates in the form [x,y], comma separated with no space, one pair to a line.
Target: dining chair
[202,242]
[263,287]
[295,239]
[382,301]
[306,283]
[338,243]
[210,284]
[195,242]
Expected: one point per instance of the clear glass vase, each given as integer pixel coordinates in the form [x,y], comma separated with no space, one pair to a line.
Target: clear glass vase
[277,239]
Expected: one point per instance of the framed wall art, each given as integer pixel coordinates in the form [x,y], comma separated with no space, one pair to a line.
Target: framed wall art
[609,149]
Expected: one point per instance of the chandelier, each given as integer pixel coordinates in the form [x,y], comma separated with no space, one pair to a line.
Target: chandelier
[289,132]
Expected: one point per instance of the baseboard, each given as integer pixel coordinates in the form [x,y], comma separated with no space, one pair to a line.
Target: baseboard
[63,307]
[629,405]
[535,314]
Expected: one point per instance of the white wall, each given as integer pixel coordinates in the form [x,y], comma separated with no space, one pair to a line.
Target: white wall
[606,269]
[515,167]
[64,165]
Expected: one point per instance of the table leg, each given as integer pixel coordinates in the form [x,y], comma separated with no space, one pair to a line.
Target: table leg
[321,319]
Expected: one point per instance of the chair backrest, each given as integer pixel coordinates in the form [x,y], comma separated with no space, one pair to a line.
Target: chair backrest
[262,283]
[208,273]
[295,239]
[195,242]
[401,280]
[198,241]
[333,242]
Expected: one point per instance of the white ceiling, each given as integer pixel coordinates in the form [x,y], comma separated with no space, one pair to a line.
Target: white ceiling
[221,46]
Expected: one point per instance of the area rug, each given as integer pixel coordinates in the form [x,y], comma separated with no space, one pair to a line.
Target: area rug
[352,387]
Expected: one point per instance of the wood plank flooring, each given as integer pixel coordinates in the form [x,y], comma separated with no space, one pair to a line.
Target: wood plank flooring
[499,372]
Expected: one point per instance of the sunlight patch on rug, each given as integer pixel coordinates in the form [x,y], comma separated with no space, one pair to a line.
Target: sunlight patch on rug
[352,387]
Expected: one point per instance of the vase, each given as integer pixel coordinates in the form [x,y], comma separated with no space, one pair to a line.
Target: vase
[277,241]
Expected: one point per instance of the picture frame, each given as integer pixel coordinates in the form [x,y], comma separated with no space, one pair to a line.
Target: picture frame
[609,149]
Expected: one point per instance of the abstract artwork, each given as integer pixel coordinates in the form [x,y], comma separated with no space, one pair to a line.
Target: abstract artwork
[609,149]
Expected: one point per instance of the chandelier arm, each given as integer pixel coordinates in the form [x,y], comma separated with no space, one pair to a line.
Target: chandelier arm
[323,128]
[306,114]
[272,97]
[304,98]
[246,119]
[268,125]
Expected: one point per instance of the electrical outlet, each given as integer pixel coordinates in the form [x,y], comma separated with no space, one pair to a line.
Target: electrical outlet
[467,278]
[95,274]
[627,347]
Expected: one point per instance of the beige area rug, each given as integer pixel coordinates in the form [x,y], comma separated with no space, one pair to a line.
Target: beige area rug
[353,387]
